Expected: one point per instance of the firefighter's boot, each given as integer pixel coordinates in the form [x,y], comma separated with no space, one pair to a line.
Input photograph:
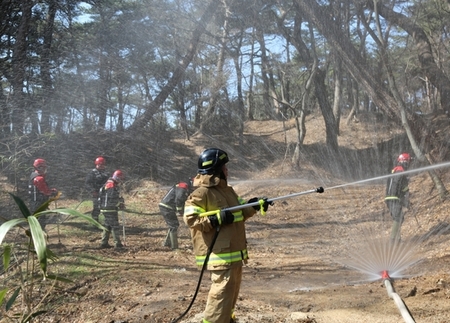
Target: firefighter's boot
[173,239]
[116,238]
[167,240]
[105,238]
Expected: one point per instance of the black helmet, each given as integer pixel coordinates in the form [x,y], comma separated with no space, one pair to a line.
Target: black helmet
[211,161]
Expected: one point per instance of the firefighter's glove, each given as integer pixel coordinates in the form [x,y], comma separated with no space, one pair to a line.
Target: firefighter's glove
[263,202]
[223,217]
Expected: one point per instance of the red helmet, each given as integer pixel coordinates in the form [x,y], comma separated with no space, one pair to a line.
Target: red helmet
[404,158]
[39,163]
[100,161]
[118,176]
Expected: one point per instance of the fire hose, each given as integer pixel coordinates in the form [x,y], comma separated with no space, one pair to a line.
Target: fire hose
[216,234]
[404,311]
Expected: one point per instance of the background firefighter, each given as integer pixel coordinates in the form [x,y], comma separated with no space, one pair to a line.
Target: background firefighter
[230,249]
[38,189]
[397,195]
[171,205]
[95,179]
[110,202]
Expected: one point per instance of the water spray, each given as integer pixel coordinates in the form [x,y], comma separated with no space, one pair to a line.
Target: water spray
[407,172]
[404,311]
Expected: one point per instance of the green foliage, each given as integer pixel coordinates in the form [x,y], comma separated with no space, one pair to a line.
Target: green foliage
[24,281]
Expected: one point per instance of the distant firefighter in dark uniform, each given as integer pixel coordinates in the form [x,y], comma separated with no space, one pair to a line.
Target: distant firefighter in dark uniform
[110,203]
[96,178]
[171,205]
[397,195]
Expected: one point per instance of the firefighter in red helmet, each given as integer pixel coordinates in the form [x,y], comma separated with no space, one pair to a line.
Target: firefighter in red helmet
[38,189]
[95,179]
[110,201]
[397,195]
[229,252]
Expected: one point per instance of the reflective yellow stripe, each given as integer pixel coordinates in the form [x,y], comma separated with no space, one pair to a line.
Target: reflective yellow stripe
[391,198]
[222,258]
[166,206]
[189,210]
[238,216]
[206,163]
[242,201]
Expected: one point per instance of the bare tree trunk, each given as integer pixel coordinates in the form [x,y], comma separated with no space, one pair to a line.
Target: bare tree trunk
[218,81]
[153,107]
[352,98]
[265,69]
[181,108]
[240,96]
[19,61]
[250,101]
[337,91]
[47,86]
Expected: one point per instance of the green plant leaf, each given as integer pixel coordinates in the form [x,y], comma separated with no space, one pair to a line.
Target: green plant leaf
[42,207]
[12,299]
[51,255]
[35,314]
[6,256]
[45,206]
[40,244]
[5,227]
[2,295]
[59,278]
[22,206]
[75,213]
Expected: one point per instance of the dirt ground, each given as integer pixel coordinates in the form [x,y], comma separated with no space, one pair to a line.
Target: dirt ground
[302,258]
[298,269]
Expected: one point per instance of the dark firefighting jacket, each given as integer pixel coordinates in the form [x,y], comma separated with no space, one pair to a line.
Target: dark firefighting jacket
[38,190]
[176,197]
[397,188]
[109,196]
[230,248]
[95,179]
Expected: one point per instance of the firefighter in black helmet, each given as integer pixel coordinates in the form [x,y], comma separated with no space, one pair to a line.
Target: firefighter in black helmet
[229,252]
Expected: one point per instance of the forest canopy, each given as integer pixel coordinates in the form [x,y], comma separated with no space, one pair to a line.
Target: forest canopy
[147,67]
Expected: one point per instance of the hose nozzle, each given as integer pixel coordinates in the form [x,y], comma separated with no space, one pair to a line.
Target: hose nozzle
[320,190]
[385,275]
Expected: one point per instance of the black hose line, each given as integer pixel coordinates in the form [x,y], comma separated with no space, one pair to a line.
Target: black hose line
[205,263]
